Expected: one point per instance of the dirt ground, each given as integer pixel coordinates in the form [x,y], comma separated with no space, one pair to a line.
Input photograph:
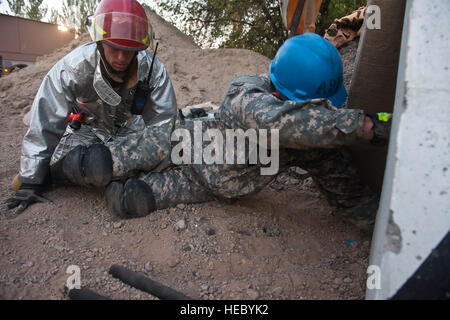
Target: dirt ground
[282,243]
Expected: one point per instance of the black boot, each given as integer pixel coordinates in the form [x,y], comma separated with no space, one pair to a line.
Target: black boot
[131,199]
[362,216]
[84,166]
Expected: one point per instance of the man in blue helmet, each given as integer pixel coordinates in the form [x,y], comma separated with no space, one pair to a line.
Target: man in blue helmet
[298,102]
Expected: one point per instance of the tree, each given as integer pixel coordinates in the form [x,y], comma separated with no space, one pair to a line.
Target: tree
[73,13]
[17,7]
[54,15]
[35,11]
[250,24]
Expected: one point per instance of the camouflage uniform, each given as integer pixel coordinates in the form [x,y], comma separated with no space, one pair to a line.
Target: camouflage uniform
[311,136]
[346,29]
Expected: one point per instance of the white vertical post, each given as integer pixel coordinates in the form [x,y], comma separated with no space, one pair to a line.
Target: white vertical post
[414,213]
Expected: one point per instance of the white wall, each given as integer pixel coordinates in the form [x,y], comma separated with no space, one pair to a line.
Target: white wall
[414,213]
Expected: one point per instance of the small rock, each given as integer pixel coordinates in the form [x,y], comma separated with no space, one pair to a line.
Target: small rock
[204,287]
[210,231]
[299,170]
[337,281]
[277,291]
[181,206]
[180,225]
[253,294]
[117,225]
[148,267]
[152,218]
[347,280]
[173,263]
[308,181]
[277,186]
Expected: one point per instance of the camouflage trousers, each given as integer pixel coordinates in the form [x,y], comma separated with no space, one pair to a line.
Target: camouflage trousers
[331,169]
[146,156]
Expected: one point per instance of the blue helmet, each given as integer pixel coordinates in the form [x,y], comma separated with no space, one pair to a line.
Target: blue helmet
[308,67]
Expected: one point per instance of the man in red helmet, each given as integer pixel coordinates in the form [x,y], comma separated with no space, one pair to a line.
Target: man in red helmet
[107,90]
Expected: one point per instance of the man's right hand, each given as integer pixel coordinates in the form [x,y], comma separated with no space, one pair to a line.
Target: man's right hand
[26,195]
[381,127]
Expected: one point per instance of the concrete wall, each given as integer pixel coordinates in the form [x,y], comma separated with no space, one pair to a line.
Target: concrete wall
[24,39]
[374,81]
[414,213]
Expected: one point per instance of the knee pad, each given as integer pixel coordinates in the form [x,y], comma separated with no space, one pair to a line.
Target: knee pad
[84,166]
[131,199]
[97,165]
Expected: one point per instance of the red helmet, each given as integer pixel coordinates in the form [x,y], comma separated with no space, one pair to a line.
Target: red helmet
[121,23]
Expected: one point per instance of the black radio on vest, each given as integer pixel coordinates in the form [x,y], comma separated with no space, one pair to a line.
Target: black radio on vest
[143,90]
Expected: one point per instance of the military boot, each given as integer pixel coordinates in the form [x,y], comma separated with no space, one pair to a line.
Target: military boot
[84,166]
[362,215]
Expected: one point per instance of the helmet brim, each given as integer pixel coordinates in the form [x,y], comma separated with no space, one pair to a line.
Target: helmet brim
[125,45]
[339,98]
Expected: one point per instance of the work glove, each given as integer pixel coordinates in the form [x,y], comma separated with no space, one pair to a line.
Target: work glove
[381,127]
[26,195]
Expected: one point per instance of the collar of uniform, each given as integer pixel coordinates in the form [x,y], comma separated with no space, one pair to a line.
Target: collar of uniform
[103,88]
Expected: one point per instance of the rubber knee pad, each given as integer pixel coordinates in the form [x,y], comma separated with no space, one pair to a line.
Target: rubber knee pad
[97,165]
[84,166]
[130,200]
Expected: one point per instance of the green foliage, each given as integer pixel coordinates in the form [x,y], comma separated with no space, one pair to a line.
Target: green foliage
[35,11]
[17,7]
[250,24]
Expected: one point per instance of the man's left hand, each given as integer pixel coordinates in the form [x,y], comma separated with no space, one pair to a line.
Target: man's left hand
[27,194]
